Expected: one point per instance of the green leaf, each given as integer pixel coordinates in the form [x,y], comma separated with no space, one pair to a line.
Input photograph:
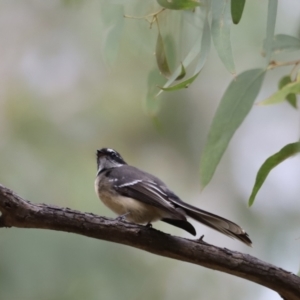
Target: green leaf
[234,107]
[280,96]
[271,20]
[170,50]
[284,43]
[220,28]
[181,85]
[204,51]
[284,81]
[182,73]
[178,4]
[189,58]
[291,98]
[274,160]
[237,8]
[161,57]
[152,104]
[205,46]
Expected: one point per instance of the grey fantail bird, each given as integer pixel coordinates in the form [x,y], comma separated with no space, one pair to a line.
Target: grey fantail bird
[143,198]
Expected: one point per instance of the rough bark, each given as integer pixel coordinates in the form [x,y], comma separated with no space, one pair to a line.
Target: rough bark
[17,212]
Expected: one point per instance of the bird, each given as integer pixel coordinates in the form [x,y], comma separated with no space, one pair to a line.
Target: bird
[139,197]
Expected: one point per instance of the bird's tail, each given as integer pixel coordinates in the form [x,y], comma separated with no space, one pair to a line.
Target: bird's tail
[215,222]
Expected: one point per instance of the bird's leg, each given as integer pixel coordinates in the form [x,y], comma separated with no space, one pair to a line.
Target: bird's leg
[148,225]
[122,218]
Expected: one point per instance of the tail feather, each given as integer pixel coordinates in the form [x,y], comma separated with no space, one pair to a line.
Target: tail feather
[183,224]
[216,222]
[220,224]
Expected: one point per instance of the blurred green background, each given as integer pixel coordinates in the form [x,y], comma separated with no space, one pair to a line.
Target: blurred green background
[65,91]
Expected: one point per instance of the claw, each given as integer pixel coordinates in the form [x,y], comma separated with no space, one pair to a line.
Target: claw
[122,218]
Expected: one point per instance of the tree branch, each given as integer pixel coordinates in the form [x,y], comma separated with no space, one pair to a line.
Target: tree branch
[17,212]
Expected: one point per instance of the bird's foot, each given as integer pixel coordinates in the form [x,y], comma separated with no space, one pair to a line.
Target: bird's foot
[148,225]
[122,218]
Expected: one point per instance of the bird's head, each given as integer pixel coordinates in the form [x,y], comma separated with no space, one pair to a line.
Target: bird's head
[108,158]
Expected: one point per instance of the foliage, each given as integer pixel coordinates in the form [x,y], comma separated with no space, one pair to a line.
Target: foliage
[213,19]
[234,107]
[286,152]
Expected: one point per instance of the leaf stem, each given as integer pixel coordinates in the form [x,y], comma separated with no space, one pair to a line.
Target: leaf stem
[152,15]
[294,69]
[274,64]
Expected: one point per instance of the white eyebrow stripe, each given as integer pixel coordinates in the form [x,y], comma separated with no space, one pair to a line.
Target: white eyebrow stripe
[130,183]
[110,150]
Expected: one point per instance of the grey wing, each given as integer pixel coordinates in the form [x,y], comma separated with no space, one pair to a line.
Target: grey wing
[147,189]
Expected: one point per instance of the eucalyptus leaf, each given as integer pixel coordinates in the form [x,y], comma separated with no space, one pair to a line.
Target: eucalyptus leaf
[237,8]
[291,98]
[178,4]
[170,50]
[284,81]
[152,104]
[186,62]
[284,42]
[182,73]
[161,57]
[204,51]
[181,85]
[220,29]
[233,108]
[271,21]
[280,96]
[205,47]
[274,160]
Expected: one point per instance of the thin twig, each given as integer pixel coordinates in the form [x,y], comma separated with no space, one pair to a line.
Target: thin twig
[275,64]
[153,17]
